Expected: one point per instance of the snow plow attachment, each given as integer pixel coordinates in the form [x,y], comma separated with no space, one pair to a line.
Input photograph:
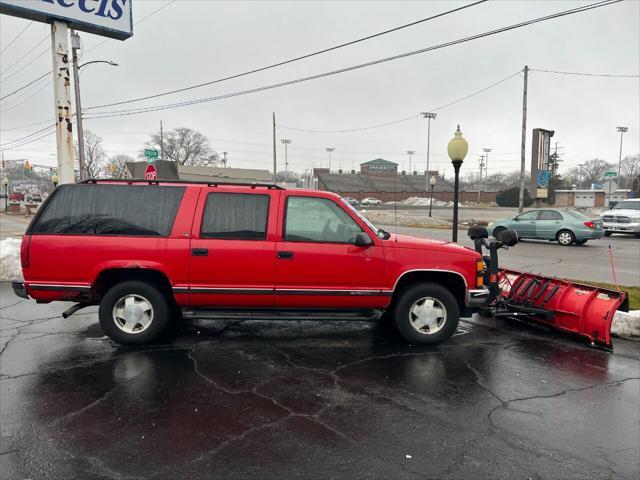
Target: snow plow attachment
[581,309]
[564,305]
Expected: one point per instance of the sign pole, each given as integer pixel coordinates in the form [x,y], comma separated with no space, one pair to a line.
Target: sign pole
[523,141]
[62,101]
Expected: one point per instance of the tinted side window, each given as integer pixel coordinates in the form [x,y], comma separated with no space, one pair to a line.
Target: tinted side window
[549,215]
[238,216]
[111,210]
[312,219]
[531,215]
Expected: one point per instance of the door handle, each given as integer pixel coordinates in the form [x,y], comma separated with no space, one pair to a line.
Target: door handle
[199,252]
[285,255]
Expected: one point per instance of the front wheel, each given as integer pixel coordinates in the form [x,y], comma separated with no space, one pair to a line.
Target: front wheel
[134,313]
[427,314]
[497,232]
[565,238]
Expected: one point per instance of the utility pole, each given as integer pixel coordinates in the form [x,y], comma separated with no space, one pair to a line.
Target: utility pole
[410,153]
[224,159]
[286,143]
[622,131]
[524,139]
[487,151]
[429,116]
[274,148]
[75,46]
[480,177]
[162,142]
[330,150]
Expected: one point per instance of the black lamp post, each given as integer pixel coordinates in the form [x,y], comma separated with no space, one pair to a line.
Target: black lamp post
[432,183]
[457,149]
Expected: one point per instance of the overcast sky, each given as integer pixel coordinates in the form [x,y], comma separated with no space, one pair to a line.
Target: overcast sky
[191,42]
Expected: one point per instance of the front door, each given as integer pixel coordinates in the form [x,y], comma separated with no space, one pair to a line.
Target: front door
[233,248]
[318,264]
[548,223]
[525,224]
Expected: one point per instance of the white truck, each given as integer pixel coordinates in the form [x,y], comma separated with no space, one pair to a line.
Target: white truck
[623,218]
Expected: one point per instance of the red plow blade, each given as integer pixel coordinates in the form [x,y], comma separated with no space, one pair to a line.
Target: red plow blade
[573,307]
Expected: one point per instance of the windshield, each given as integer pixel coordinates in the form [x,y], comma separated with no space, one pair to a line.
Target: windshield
[378,231]
[628,205]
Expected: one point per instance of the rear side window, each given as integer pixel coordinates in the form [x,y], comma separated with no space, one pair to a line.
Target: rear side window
[235,216]
[549,215]
[111,210]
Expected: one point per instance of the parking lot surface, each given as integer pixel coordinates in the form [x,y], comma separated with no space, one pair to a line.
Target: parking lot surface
[249,399]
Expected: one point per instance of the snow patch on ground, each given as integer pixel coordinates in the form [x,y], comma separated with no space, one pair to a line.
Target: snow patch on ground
[424,202]
[10,268]
[626,324]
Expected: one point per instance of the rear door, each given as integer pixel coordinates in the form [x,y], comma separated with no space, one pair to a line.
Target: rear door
[233,247]
[548,223]
[318,264]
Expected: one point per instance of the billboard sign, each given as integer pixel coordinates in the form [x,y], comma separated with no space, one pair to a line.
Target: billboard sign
[109,18]
[540,171]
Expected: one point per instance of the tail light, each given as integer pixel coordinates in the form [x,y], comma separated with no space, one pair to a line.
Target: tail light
[589,224]
[479,272]
[24,251]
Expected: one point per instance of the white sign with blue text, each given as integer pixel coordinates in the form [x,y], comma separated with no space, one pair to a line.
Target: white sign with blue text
[109,18]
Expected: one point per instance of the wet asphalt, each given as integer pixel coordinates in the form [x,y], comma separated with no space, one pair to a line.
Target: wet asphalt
[280,400]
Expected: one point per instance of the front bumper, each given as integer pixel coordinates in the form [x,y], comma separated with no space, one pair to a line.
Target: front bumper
[621,227]
[477,298]
[19,289]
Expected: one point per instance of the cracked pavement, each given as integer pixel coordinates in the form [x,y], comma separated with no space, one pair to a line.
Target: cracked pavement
[252,399]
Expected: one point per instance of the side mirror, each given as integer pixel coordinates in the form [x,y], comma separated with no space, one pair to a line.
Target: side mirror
[363,240]
[509,238]
[515,219]
[477,231]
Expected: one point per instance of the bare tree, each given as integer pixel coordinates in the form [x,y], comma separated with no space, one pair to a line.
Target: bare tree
[94,154]
[592,171]
[184,146]
[117,165]
[288,176]
[630,168]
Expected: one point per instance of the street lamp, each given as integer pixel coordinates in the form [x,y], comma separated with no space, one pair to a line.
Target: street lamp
[54,179]
[286,142]
[5,185]
[410,153]
[429,116]
[330,149]
[457,150]
[432,183]
[75,46]
[622,131]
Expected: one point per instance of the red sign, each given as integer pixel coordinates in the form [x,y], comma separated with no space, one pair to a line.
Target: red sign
[151,173]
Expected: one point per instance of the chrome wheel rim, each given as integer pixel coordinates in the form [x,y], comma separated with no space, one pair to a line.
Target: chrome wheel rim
[133,314]
[427,315]
[565,238]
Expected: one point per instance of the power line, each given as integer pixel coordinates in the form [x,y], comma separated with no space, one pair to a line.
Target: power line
[25,85]
[27,97]
[35,139]
[46,50]
[23,56]
[16,37]
[118,113]
[22,127]
[403,119]
[291,60]
[17,140]
[585,74]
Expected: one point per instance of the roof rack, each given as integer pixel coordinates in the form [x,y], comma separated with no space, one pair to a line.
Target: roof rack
[197,182]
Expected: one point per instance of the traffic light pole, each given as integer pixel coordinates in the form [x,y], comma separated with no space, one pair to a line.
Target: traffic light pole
[62,98]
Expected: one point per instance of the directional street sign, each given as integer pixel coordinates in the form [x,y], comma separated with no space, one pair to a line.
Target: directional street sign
[151,173]
[610,174]
[151,154]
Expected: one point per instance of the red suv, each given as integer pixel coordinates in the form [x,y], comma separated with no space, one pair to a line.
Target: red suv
[150,252]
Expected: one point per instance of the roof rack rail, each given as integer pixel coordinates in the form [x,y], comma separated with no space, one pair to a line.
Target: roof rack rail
[197,182]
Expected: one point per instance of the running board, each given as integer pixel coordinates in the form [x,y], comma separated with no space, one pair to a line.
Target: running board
[282,314]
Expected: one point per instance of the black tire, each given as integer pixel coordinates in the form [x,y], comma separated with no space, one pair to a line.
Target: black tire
[497,232]
[607,234]
[446,325]
[159,315]
[565,238]
[580,242]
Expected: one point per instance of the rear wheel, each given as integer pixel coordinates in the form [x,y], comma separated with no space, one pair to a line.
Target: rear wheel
[565,238]
[134,313]
[497,232]
[427,314]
